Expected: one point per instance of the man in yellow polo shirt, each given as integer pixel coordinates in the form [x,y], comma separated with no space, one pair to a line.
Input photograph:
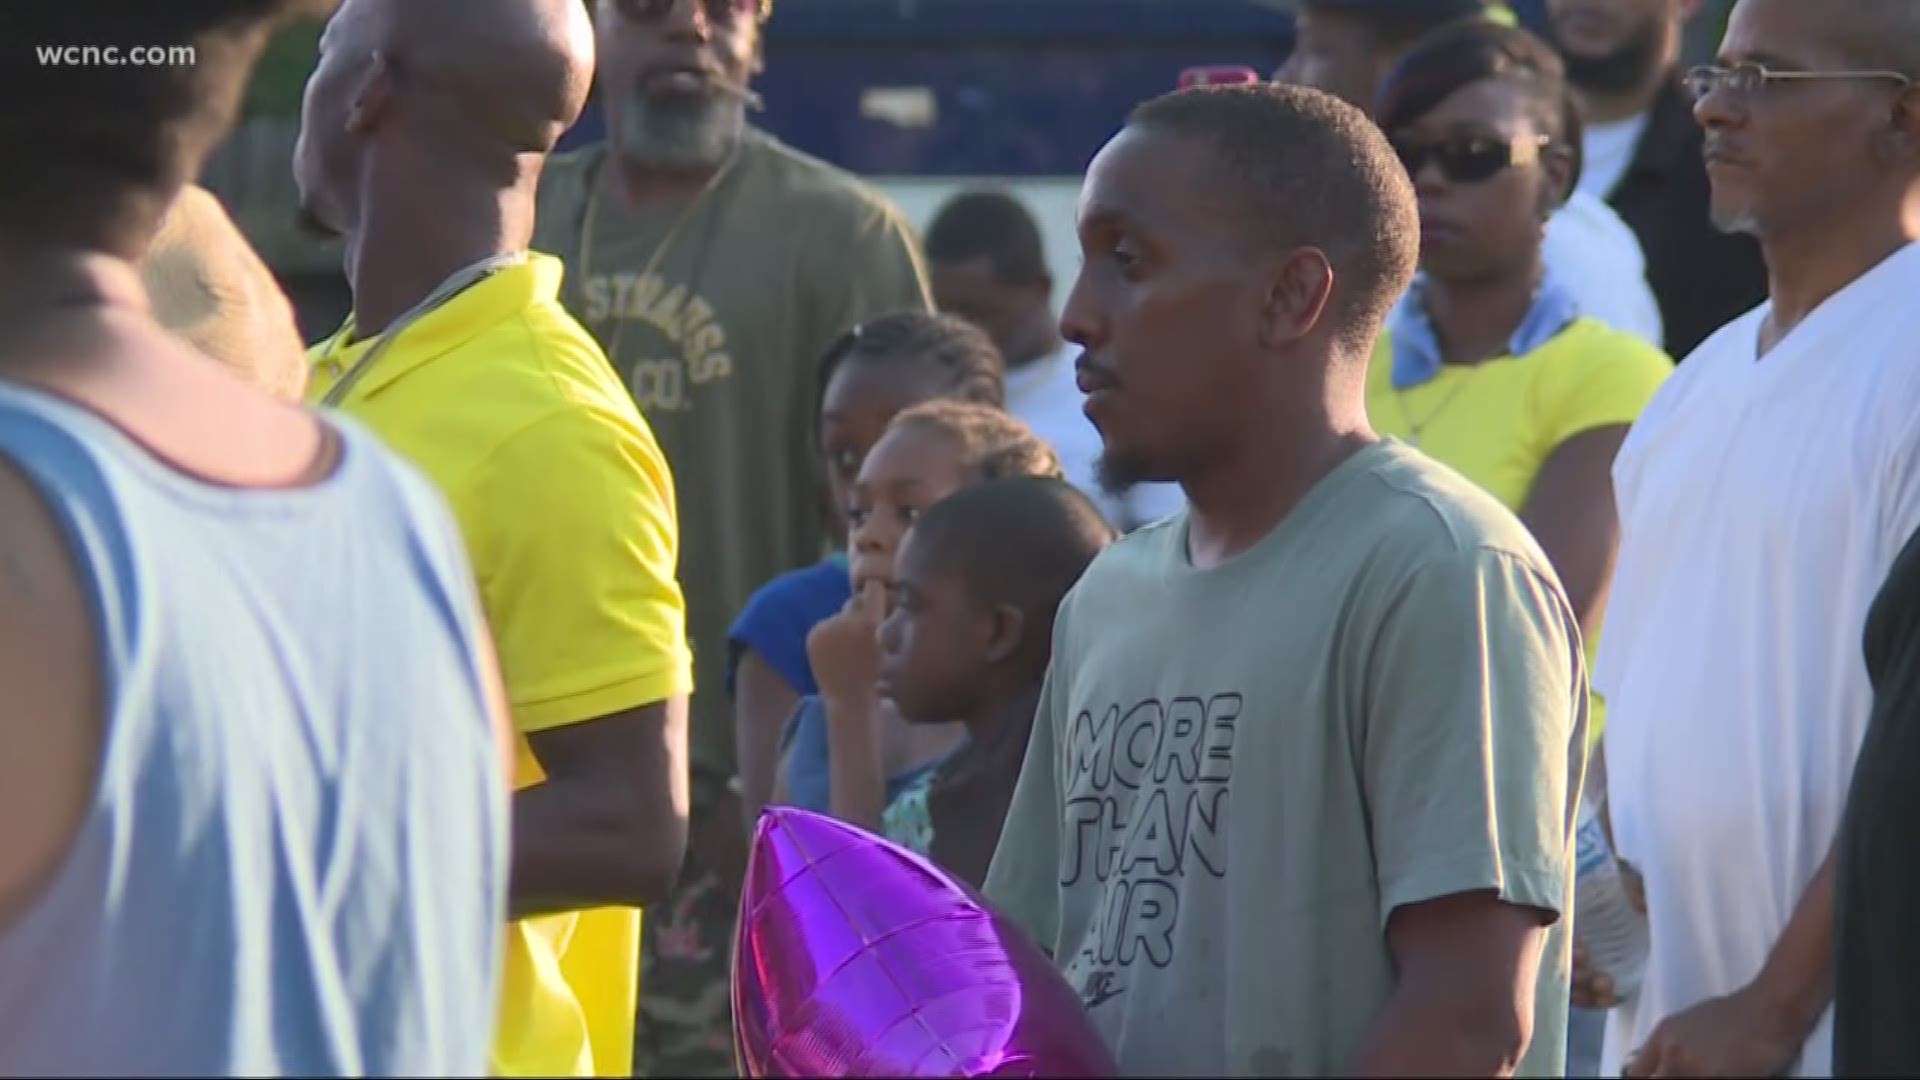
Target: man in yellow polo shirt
[423,134]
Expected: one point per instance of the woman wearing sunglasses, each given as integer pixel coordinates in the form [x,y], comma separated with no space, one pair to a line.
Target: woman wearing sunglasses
[1488,364]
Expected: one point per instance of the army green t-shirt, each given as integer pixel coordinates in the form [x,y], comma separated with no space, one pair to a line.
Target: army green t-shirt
[1238,774]
[719,333]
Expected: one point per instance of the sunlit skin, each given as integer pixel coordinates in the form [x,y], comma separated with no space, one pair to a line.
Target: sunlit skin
[1822,216]
[1764,180]
[1168,306]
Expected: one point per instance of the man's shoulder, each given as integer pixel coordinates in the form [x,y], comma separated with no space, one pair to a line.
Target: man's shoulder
[815,185]
[563,191]
[1732,344]
[558,383]
[1394,509]
[1424,509]
[1148,551]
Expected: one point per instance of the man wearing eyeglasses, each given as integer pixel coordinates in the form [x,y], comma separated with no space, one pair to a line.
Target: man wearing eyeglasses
[1763,498]
[1642,155]
[715,265]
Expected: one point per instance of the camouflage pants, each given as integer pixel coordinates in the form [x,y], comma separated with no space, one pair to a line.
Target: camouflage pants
[685,1021]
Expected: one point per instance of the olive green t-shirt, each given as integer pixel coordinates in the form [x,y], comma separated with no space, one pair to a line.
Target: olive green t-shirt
[1238,774]
[719,334]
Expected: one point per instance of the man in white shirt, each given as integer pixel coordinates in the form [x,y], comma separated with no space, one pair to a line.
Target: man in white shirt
[986,264]
[1347,47]
[1763,497]
[1643,157]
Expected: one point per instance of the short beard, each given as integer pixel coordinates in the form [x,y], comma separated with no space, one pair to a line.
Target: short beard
[315,227]
[680,131]
[1119,473]
[1742,223]
[1625,69]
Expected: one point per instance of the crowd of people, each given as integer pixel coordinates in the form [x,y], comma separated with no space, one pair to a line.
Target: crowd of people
[1236,631]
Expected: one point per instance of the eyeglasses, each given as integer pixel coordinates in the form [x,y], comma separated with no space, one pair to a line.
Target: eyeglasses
[1470,159]
[716,10]
[1748,78]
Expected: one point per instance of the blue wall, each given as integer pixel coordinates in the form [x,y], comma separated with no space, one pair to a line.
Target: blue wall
[999,87]
[1016,87]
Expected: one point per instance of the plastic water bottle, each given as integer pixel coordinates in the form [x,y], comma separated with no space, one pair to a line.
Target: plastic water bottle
[1615,932]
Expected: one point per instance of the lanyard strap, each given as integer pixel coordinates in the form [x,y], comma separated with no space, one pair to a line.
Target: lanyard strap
[460,281]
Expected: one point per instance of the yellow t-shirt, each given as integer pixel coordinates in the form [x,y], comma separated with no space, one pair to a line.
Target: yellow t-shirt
[568,513]
[1498,422]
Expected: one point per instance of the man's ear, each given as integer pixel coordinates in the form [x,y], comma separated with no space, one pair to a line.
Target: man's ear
[373,96]
[1297,296]
[1007,632]
[1557,166]
[1900,141]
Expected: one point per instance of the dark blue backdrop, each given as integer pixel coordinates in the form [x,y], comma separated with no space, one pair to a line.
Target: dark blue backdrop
[989,87]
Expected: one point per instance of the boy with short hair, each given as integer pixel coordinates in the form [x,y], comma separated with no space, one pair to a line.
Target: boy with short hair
[977,582]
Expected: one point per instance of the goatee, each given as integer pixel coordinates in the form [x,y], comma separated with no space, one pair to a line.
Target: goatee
[314,226]
[1119,473]
[681,131]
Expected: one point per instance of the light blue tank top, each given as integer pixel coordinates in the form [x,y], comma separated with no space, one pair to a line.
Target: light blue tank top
[295,859]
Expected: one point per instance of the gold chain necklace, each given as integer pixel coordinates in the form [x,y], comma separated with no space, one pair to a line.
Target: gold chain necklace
[591,216]
[1418,429]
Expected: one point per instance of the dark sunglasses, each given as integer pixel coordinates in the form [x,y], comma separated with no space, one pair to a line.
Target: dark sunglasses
[1469,159]
[716,10]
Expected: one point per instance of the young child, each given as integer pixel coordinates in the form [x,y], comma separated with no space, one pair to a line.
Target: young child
[976,585]
[928,453]
[867,376]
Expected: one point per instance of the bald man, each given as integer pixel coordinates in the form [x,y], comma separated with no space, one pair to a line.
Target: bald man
[424,132]
[1764,495]
[207,285]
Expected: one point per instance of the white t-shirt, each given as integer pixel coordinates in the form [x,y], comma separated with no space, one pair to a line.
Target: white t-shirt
[1762,502]
[1043,394]
[1607,150]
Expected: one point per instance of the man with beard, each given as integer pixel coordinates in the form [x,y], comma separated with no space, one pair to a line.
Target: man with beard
[987,265]
[715,265]
[1302,780]
[422,138]
[1347,47]
[1643,157]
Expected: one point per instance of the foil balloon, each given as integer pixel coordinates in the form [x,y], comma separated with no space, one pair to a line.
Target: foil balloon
[858,958]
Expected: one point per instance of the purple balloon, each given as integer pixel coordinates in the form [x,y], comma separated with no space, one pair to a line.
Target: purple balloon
[859,958]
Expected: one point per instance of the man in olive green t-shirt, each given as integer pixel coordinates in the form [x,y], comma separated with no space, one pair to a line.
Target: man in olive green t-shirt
[715,265]
[1301,791]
